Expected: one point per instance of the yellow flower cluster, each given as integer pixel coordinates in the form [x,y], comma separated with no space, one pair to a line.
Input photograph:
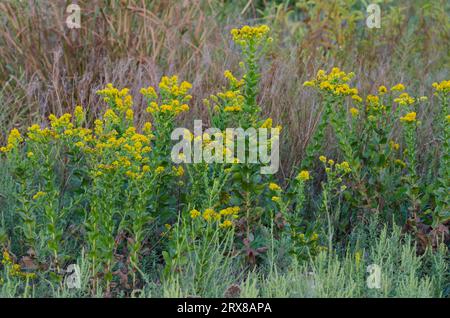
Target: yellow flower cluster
[382,90]
[399,87]
[125,154]
[228,101]
[234,210]
[303,175]
[179,171]
[224,217]
[173,97]
[443,86]
[195,213]
[400,163]
[79,115]
[409,118]
[14,139]
[393,145]
[234,82]
[174,107]
[267,123]
[63,122]
[373,100]
[354,111]
[113,146]
[276,199]
[38,195]
[15,269]
[118,100]
[374,106]
[274,187]
[404,99]
[35,133]
[6,258]
[344,166]
[248,33]
[210,214]
[232,109]
[170,85]
[335,82]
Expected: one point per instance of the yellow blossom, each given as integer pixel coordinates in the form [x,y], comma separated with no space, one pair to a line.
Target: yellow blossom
[357,98]
[303,175]
[382,90]
[443,86]
[209,214]
[39,195]
[274,187]
[194,213]
[354,111]
[399,87]
[226,224]
[247,33]
[267,123]
[410,117]
[159,170]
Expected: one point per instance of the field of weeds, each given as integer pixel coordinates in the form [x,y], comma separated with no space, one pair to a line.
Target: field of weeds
[213,148]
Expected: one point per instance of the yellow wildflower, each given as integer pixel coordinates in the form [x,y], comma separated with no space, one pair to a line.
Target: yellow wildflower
[39,195]
[357,98]
[232,109]
[194,213]
[345,166]
[410,117]
[247,33]
[303,175]
[129,115]
[276,199]
[226,224]
[382,90]
[209,214]
[358,258]
[400,163]
[399,87]
[274,187]
[394,145]
[354,111]
[443,86]
[267,123]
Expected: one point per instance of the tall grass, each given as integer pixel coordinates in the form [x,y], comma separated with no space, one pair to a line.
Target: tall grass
[336,273]
[344,274]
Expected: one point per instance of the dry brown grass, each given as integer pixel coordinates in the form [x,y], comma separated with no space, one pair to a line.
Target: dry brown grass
[47,68]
